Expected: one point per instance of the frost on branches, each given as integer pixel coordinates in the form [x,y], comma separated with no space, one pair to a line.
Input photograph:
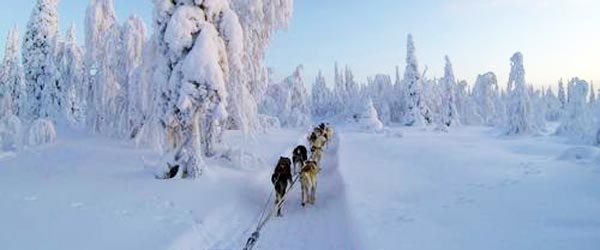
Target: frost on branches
[577,122]
[485,93]
[39,49]
[449,113]
[520,119]
[12,79]
[41,132]
[412,87]
[192,40]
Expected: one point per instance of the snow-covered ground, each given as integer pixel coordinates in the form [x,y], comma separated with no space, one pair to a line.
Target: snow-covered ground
[467,189]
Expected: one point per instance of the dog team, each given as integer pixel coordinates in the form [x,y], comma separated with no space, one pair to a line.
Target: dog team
[302,165]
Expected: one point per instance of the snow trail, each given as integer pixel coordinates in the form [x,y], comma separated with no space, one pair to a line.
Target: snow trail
[325,225]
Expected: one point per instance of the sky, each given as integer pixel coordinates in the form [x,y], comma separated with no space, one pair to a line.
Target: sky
[559,38]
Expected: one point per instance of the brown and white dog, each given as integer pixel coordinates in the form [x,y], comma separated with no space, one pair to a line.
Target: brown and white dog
[308,180]
[280,178]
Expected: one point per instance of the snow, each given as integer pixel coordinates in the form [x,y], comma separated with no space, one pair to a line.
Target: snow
[375,192]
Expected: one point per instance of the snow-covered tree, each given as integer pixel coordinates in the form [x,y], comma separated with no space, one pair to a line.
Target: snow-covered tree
[561,94]
[381,92]
[70,66]
[577,121]
[340,93]
[484,93]
[299,113]
[449,113]
[39,50]
[41,132]
[353,100]
[321,98]
[101,33]
[134,39]
[553,105]
[592,94]
[12,79]
[10,133]
[368,118]
[259,20]
[412,82]
[193,40]
[520,119]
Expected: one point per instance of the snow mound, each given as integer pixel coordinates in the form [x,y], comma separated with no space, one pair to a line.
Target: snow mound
[580,155]
[42,132]
[269,123]
[10,133]
[368,120]
[243,159]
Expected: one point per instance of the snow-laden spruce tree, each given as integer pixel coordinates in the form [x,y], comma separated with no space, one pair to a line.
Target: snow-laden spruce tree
[42,132]
[538,108]
[380,90]
[321,101]
[449,113]
[12,78]
[592,94]
[39,62]
[340,94]
[101,65]
[299,113]
[11,133]
[412,81]
[398,99]
[134,40]
[562,97]
[553,105]
[193,39]
[484,93]
[519,114]
[70,65]
[353,100]
[577,121]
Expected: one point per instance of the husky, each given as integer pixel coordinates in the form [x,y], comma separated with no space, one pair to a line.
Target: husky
[299,156]
[316,154]
[308,180]
[328,133]
[282,175]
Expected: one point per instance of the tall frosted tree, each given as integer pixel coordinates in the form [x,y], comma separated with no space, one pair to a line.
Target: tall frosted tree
[577,122]
[71,78]
[520,119]
[592,94]
[321,98]
[381,91]
[412,82]
[561,94]
[449,113]
[339,90]
[484,93]
[193,40]
[299,113]
[259,20]
[134,40]
[102,46]
[12,79]
[39,60]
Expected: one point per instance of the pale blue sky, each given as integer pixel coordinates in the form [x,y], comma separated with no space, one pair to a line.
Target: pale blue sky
[559,38]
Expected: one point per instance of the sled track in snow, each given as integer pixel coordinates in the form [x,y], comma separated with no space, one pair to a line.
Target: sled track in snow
[325,225]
